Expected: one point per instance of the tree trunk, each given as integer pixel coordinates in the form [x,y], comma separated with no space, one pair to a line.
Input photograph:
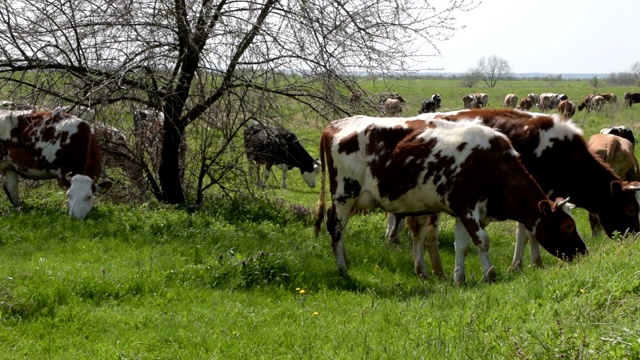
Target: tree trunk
[169,171]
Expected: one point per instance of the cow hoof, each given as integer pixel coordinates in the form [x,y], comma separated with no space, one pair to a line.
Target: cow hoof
[490,276]
[517,265]
[459,278]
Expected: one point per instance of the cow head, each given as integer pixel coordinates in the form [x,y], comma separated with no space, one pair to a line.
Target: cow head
[81,194]
[622,213]
[556,230]
[310,177]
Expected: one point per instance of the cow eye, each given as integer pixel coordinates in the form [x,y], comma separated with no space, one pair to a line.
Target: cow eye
[569,227]
[631,210]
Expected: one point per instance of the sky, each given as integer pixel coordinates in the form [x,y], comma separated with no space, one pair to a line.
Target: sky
[546,36]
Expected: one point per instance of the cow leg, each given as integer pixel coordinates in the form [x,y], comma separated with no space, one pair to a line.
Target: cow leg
[424,231]
[284,169]
[522,237]
[337,226]
[481,240]
[265,178]
[431,241]
[461,244]
[11,187]
[395,224]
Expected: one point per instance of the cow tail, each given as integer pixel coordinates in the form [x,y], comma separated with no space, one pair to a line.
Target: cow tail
[322,204]
[93,162]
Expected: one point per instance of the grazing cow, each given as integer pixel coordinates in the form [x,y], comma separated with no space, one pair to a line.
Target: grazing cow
[535,99]
[483,99]
[545,101]
[511,100]
[83,112]
[597,103]
[555,154]
[274,145]
[525,104]
[392,107]
[427,107]
[621,131]
[418,167]
[567,109]
[42,145]
[586,103]
[609,97]
[631,98]
[437,99]
[618,152]
[471,101]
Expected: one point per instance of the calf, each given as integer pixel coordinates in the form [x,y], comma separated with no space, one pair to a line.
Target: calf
[418,167]
[618,152]
[555,154]
[42,145]
[566,109]
[631,98]
[274,145]
[511,100]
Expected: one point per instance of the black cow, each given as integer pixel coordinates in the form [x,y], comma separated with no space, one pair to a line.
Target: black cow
[270,145]
[631,98]
[621,131]
[428,106]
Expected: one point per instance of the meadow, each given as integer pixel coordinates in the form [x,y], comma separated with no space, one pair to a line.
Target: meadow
[248,279]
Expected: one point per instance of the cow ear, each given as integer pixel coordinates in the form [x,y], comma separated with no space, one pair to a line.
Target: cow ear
[104,187]
[545,207]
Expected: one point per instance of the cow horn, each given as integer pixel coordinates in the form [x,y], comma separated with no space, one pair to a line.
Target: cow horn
[68,176]
[562,203]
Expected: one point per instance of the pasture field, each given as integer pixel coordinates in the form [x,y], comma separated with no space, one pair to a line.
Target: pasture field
[248,279]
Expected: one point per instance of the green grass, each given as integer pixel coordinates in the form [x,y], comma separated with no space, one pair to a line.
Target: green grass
[248,279]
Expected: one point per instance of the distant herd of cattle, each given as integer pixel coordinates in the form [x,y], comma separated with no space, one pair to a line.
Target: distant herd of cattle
[478,165]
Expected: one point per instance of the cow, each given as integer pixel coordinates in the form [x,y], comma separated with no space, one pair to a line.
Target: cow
[525,104]
[418,167]
[554,152]
[609,97]
[597,103]
[618,152]
[586,103]
[566,109]
[546,100]
[535,99]
[621,131]
[82,112]
[437,99]
[631,98]
[43,145]
[469,101]
[270,145]
[483,99]
[427,107]
[392,107]
[511,100]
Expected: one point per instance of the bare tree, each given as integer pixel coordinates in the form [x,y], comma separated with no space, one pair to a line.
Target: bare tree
[493,69]
[208,66]
[471,77]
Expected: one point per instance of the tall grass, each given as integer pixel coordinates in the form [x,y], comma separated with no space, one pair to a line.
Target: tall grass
[247,279]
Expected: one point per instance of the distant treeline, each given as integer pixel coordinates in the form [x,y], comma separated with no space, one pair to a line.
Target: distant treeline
[613,79]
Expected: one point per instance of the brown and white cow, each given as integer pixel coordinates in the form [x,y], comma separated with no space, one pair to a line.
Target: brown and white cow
[597,103]
[586,103]
[525,104]
[43,145]
[535,99]
[567,109]
[511,100]
[631,98]
[554,152]
[609,97]
[470,101]
[418,167]
[483,99]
